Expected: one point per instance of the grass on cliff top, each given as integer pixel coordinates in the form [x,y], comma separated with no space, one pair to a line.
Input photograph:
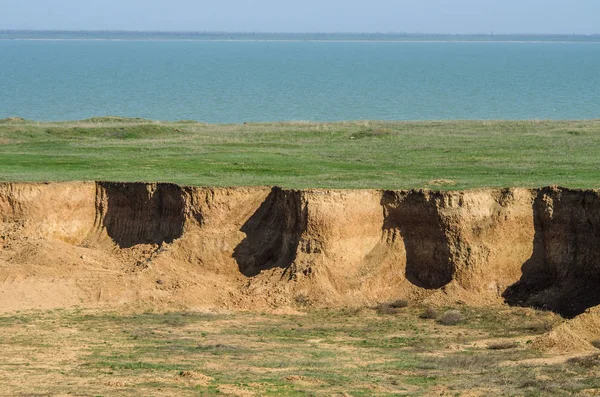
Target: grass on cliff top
[362,154]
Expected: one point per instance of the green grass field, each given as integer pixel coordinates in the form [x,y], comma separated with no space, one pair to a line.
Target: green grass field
[362,154]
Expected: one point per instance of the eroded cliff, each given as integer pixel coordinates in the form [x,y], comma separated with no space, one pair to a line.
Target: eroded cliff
[110,243]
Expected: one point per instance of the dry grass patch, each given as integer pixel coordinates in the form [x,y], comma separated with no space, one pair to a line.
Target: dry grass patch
[429,313]
[316,352]
[502,345]
[392,307]
[451,317]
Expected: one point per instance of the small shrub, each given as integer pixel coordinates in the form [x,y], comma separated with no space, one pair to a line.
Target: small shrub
[398,304]
[391,307]
[451,317]
[587,361]
[302,300]
[350,311]
[596,343]
[384,309]
[429,313]
[530,383]
[502,345]
[541,387]
[371,133]
[538,327]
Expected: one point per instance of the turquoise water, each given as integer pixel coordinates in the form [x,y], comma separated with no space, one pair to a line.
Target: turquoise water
[233,82]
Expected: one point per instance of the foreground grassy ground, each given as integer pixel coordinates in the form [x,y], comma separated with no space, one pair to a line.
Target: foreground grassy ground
[319,352]
[444,155]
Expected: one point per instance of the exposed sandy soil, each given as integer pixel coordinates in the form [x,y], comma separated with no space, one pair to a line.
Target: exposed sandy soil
[166,246]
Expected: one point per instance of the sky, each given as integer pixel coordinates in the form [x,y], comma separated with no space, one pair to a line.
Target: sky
[407,16]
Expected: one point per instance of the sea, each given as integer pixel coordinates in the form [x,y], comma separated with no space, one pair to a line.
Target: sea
[236,81]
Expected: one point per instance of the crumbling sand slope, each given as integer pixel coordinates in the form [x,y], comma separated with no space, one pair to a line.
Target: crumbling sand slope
[165,245]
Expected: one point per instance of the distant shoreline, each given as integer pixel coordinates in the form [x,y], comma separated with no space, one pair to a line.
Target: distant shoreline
[309,40]
[67,35]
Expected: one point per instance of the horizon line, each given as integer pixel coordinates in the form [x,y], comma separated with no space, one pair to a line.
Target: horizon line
[491,34]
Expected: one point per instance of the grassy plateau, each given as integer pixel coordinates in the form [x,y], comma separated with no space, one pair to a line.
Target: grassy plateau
[361,154]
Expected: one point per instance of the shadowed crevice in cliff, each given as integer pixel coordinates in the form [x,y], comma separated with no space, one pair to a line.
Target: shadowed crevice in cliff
[272,233]
[563,272]
[416,217]
[139,213]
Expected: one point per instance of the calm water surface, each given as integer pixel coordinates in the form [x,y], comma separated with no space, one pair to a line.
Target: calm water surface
[232,82]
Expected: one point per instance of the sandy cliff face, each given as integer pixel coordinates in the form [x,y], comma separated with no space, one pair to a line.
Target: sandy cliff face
[562,272]
[62,211]
[110,243]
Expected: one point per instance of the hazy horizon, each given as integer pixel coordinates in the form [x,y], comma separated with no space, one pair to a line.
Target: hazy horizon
[303,32]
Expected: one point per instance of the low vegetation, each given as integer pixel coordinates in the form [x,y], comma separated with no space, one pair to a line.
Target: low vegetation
[363,154]
[429,313]
[502,345]
[320,352]
[451,317]
[391,307]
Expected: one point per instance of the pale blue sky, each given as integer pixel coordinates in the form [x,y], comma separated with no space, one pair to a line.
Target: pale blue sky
[414,16]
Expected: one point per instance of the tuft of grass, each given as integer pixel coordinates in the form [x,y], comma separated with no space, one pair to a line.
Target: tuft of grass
[502,345]
[138,366]
[429,313]
[302,300]
[451,317]
[539,327]
[463,362]
[590,361]
[391,307]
